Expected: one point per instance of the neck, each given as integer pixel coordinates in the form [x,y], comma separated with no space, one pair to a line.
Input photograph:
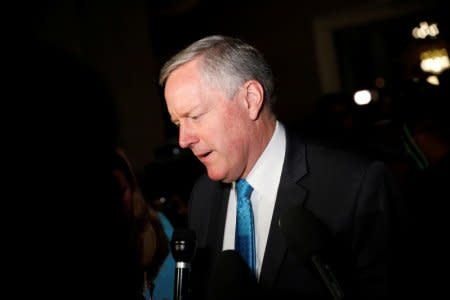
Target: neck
[259,138]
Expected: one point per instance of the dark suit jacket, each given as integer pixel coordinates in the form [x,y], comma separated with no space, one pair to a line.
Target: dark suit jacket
[351,195]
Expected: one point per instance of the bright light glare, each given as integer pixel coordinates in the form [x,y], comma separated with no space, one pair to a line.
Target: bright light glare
[433,79]
[435,64]
[425,30]
[362,97]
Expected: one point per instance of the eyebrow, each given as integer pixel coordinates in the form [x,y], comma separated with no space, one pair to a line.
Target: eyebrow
[185,114]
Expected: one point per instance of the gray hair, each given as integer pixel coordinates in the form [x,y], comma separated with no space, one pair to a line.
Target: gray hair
[227,63]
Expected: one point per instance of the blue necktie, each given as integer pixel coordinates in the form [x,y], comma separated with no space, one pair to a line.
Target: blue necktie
[245,229]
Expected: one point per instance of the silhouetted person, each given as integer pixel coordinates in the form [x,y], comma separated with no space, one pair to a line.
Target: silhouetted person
[167,182]
[70,234]
[423,111]
[148,238]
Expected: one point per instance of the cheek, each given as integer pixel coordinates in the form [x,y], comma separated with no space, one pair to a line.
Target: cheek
[233,137]
[227,131]
[236,151]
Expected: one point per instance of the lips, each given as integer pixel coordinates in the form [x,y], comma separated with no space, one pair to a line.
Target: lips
[203,155]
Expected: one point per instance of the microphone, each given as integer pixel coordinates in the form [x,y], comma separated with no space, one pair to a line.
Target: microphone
[183,246]
[231,278]
[307,236]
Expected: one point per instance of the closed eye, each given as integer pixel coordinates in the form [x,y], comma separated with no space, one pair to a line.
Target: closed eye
[195,117]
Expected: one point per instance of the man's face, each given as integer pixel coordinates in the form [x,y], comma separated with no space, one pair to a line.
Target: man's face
[211,124]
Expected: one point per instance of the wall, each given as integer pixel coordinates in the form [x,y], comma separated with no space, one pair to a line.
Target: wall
[127,42]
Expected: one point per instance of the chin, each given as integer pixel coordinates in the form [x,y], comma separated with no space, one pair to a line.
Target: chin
[218,176]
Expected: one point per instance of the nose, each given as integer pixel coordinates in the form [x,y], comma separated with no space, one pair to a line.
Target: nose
[186,136]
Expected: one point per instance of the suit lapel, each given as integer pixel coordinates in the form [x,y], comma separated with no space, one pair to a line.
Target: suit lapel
[290,194]
[217,220]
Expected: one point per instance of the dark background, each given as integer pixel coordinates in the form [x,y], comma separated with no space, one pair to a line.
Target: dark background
[315,47]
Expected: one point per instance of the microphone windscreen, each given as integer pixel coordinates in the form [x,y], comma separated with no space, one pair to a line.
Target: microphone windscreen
[304,233]
[232,278]
[183,244]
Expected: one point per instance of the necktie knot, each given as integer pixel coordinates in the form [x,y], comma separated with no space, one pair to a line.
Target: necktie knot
[243,189]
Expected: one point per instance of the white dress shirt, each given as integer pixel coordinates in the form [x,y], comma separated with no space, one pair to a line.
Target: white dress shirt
[264,178]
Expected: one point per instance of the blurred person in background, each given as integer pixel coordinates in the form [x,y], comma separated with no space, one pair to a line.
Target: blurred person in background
[70,233]
[422,111]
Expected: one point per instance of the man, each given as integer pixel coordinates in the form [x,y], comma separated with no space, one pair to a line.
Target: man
[219,91]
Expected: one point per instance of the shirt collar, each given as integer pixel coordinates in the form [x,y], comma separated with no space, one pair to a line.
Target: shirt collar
[263,175]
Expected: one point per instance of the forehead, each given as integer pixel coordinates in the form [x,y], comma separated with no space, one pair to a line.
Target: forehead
[185,78]
[183,90]
[186,89]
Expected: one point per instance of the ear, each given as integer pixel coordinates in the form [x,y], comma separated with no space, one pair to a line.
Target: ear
[126,190]
[254,98]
